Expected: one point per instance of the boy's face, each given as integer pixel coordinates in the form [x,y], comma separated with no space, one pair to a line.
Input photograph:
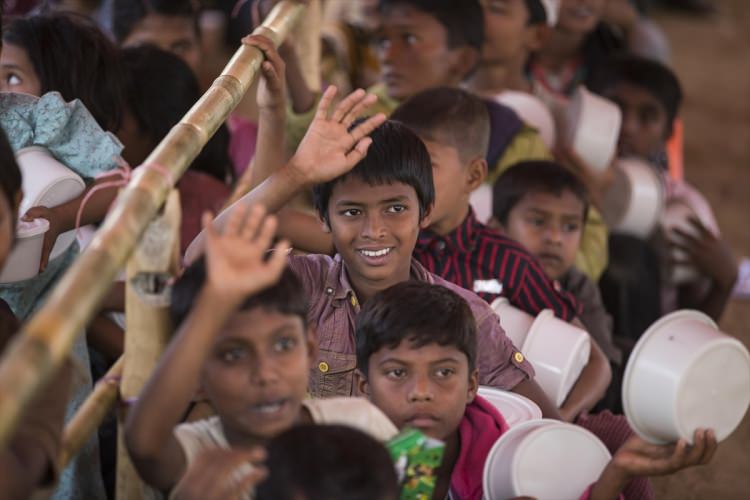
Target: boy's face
[175,34]
[549,226]
[375,229]
[580,16]
[425,388]
[257,373]
[508,35]
[644,120]
[414,55]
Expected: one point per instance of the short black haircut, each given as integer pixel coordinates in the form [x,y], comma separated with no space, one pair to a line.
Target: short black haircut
[537,12]
[287,296]
[396,155]
[420,313]
[157,107]
[448,115]
[463,20]
[654,77]
[534,177]
[10,174]
[72,56]
[127,13]
[327,462]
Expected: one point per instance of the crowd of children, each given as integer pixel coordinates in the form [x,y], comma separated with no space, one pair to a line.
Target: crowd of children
[344,291]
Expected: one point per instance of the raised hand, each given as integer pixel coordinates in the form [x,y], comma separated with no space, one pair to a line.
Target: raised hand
[218,474]
[271,90]
[707,252]
[50,237]
[236,262]
[330,148]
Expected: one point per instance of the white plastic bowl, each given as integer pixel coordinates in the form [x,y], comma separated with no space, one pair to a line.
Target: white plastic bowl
[635,202]
[685,374]
[515,408]
[534,459]
[558,351]
[591,127]
[533,112]
[24,258]
[514,321]
[48,183]
[676,216]
[481,201]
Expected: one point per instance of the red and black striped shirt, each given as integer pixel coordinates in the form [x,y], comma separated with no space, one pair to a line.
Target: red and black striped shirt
[480,259]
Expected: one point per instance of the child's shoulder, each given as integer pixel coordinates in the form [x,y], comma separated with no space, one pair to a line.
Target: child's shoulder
[359,413]
[200,435]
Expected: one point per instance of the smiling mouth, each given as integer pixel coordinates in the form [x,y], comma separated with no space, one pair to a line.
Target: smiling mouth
[546,257]
[376,253]
[269,408]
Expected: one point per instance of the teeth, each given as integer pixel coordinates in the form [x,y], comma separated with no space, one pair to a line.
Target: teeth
[269,408]
[376,253]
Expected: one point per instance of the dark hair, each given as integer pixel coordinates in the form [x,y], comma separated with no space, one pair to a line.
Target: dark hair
[537,12]
[463,20]
[395,155]
[287,296]
[10,174]
[157,107]
[419,312]
[451,115]
[327,462]
[650,75]
[127,13]
[534,177]
[72,56]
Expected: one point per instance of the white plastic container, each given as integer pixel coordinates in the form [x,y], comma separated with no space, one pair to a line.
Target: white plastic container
[514,321]
[543,459]
[677,216]
[533,112]
[558,351]
[635,202]
[481,201]
[515,408]
[23,261]
[591,126]
[48,183]
[685,374]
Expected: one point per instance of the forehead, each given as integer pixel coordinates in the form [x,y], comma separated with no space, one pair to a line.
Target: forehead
[15,55]
[404,16]
[440,148]
[407,352]
[635,95]
[354,190]
[160,27]
[256,324]
[564,204]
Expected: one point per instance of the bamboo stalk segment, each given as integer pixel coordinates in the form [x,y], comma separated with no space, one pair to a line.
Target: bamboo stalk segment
[308,44]
[90,415]
[45,340]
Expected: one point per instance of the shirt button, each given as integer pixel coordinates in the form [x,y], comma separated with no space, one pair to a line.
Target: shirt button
[329,290]
[440,245]
[323,367]
[354,301]
[518,357]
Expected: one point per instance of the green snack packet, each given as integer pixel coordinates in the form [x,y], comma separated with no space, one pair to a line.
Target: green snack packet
[417,458]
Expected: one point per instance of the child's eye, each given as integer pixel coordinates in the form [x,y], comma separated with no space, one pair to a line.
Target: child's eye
[445,372]
[182,47]
[284,344]
[571,227]
[382,42]
[232,355]
[13,79]
[498,6]
[396,373]
[536,221]
[409,38]
[351,212]
[396,209]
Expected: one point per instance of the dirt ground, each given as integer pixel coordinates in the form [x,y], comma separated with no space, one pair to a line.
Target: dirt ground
[712,58]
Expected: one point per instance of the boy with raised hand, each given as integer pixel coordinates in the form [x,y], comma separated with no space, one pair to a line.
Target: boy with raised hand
[244,341]
[374,212]
[419,368]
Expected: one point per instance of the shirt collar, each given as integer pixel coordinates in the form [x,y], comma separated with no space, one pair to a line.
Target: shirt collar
[462,239]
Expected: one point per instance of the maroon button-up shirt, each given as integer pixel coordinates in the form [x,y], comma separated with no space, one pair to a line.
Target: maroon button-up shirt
[334,306]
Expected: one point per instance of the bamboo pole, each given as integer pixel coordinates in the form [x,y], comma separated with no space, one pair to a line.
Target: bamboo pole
[147,295]
[90,415]
[46,339]
[308,44]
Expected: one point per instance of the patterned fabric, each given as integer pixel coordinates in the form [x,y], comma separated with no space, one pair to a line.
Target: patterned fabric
[474,255]
[333,309]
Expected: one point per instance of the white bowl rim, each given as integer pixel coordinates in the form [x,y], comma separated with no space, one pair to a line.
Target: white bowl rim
[32,228]
[531,405]
[676,316]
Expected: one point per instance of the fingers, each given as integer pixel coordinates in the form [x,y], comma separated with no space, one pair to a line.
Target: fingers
[36,213]
[358,110]
[47,244]
[359,151]
[325,103]
[711,446]
[347,104]
[253,223]
[363,129]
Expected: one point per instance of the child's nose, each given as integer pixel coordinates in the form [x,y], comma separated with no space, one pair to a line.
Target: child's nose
[262,372]
[373,227]
[421,390]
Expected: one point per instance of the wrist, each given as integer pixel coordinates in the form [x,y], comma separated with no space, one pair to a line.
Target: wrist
[220,302]
[611,482]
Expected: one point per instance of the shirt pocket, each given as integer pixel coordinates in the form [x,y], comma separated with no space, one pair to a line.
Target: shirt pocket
[333,375]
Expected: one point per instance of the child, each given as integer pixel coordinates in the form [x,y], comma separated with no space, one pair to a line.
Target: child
[30,459]
[171,25]
[420,369]
[543,206]
[649,96]
[254,349]
[373,215]
[46,53]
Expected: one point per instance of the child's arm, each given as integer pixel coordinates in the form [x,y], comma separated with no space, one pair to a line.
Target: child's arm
[590,387]
[640,458]
[235,268]
[304,231]
[713,258]
[328,150]
[62,218]
[213,474]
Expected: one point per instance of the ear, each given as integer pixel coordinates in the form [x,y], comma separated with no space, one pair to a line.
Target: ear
[325,226]
[476,173]
[534,36]
[426,218]
[473,386]
[465,59]
[360,379]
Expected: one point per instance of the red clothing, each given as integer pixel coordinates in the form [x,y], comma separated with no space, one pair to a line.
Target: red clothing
[198,192]
[242,140]
[477,257]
